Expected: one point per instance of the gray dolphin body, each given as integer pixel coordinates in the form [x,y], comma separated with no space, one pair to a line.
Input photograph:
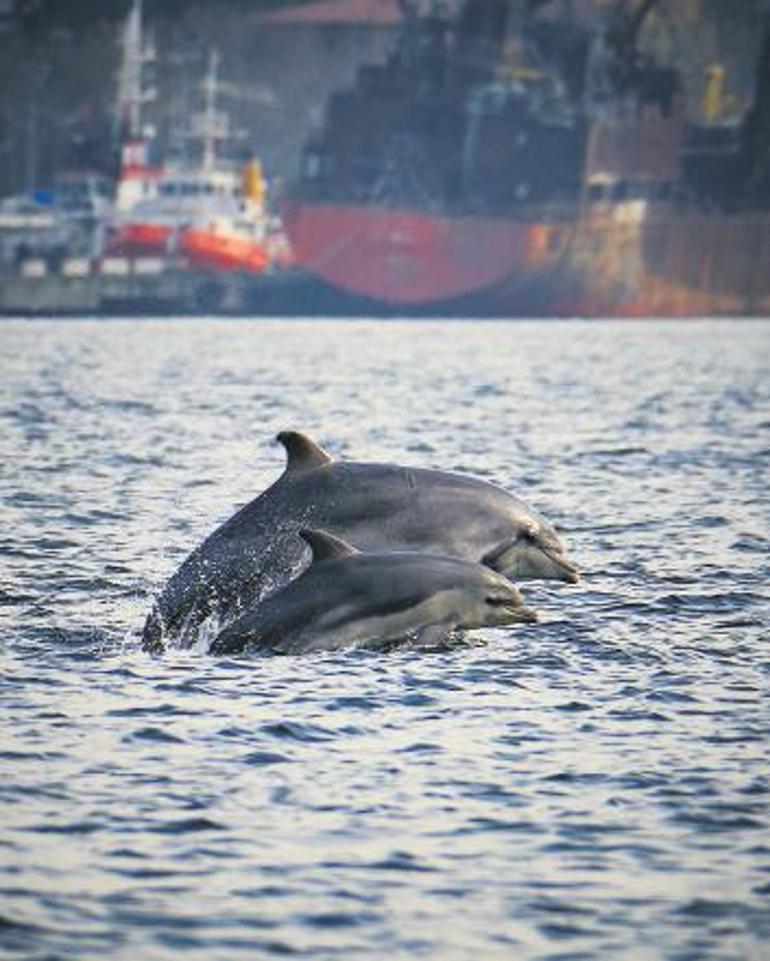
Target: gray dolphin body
[377,507]
[346,598]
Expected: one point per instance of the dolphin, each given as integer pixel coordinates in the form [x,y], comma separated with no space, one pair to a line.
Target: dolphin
[377,507]
[346,598]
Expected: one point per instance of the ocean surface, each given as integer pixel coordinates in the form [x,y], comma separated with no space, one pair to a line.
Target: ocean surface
[594,787]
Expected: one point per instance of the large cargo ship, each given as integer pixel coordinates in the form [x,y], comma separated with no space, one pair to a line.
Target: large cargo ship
[514,160]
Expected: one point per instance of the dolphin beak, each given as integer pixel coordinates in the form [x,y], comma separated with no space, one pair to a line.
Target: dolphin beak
[522,615]
[567,570]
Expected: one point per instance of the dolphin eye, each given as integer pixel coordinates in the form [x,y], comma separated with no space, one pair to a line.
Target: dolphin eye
[496,600]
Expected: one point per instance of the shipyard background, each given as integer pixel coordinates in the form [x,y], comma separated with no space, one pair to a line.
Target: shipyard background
[280,63]
[58,79]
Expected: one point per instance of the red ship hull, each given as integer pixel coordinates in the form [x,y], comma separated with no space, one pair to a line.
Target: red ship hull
[201,248]
[140,239]
[216,252]
[599,261]
[405,258]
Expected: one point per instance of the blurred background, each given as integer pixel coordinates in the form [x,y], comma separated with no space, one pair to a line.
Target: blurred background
[435,138]
[59,82]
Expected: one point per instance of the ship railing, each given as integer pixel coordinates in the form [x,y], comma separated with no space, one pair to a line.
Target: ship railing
[75,268]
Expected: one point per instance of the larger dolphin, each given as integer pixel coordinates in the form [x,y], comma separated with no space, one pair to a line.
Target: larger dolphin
[377,507]
[347,598]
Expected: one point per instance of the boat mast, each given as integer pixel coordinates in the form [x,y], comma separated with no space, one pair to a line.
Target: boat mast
[211,121]
[625,27]
[132,134]
[130,92]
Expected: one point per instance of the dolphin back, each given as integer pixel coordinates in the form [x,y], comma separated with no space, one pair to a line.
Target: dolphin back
[374,507]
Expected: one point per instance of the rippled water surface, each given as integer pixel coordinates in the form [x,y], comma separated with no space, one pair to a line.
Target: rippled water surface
[594,786]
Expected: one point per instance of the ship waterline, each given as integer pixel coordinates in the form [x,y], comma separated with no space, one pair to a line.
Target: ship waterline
[403,257]
[623,259]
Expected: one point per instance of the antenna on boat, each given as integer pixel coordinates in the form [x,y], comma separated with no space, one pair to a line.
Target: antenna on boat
[130,83]
[209,124]
[132,94]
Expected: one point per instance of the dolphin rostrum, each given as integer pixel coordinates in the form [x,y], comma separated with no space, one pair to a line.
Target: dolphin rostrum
[377,507]
[346,598]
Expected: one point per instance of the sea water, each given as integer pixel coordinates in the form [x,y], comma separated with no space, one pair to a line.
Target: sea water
[594,786]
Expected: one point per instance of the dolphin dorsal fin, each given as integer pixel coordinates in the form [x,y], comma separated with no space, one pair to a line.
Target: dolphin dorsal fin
[325,546]
[301,452]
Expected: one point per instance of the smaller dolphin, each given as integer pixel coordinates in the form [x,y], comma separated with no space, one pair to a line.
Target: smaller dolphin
[347,598]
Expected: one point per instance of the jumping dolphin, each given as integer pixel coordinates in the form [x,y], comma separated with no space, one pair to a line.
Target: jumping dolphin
[346,598]
[377,507]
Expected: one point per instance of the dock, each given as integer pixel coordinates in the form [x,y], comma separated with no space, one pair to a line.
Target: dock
[144,287]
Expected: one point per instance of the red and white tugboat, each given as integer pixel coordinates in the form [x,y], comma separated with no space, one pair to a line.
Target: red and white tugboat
[206,213]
